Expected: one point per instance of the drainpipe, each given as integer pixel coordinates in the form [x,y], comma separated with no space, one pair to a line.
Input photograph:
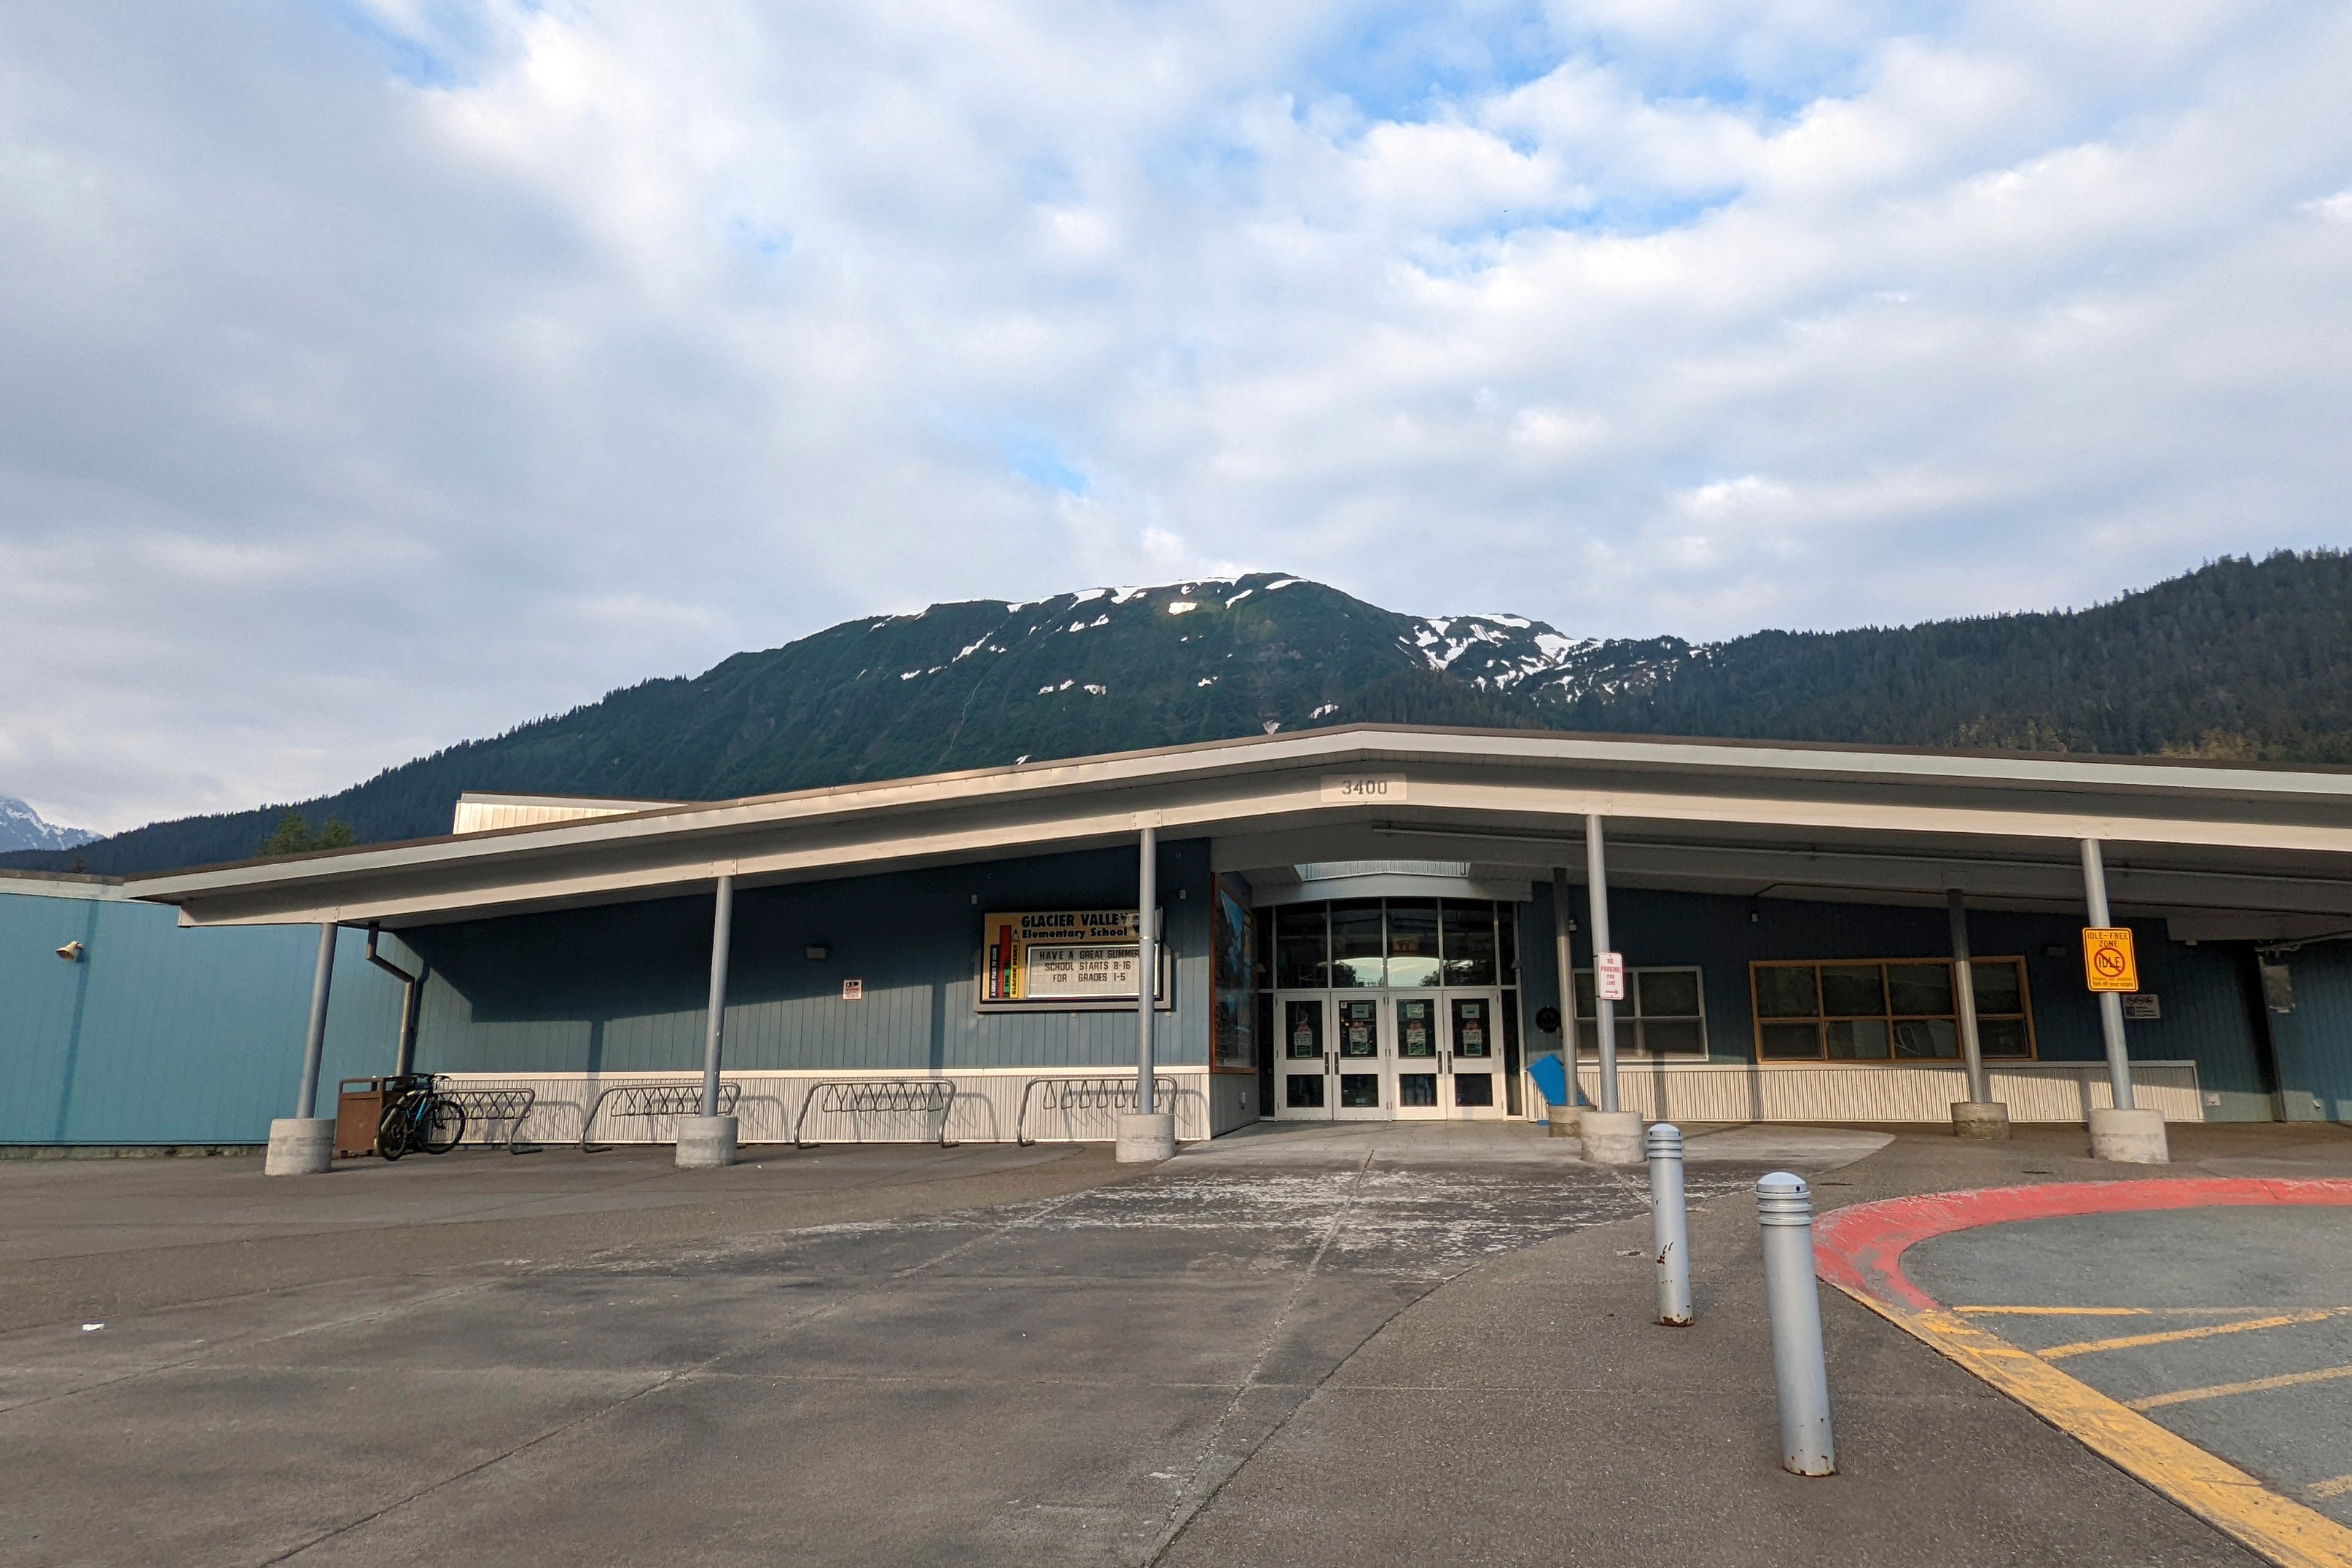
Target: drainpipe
[403,1057]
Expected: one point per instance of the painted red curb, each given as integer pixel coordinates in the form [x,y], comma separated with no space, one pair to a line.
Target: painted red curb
[1862,1248]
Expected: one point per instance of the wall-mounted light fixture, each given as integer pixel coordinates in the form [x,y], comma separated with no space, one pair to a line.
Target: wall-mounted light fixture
[71,952]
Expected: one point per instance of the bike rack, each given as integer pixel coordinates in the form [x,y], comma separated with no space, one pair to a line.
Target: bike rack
[1086,1094]
[853,1096]
[510,1105]
[651,1099]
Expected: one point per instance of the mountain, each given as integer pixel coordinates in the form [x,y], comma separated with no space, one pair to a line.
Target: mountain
[21,827]
[2240,659]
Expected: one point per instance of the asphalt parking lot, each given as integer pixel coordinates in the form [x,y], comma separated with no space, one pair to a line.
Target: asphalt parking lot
[2230,1326]
[1374,1351]
[1061,1378]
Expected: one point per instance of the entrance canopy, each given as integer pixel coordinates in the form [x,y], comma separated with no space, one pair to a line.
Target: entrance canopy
[2224,851]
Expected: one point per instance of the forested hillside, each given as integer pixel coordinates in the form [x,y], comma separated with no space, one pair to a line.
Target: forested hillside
[2241,659]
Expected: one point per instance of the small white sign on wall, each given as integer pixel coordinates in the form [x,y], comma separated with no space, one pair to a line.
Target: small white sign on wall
[1363,790]
[1611,971]
[2143,1005]
[852,991]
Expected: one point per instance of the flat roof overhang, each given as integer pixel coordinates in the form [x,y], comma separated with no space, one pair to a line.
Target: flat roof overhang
[1760,819]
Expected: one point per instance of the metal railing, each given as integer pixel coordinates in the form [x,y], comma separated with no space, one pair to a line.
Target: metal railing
[651,1099]
[1107,1093]
[860,1096]
[513,1106]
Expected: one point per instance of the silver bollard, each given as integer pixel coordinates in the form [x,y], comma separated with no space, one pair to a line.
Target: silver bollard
[1669,1225]
[1784,1208]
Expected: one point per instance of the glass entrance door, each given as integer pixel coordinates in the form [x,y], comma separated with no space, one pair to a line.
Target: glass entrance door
[1418,1071]
[1474,1049]
[1302,1063]
[1361,1092]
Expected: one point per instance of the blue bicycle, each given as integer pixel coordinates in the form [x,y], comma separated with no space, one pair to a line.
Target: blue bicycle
[421,1117]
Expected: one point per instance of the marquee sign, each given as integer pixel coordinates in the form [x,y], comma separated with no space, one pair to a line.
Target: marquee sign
[1073,956]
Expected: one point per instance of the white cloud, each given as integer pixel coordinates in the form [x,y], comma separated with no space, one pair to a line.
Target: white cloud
[373,377]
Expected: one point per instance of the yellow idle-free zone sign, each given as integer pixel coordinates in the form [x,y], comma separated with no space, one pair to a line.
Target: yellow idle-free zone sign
[2108,962]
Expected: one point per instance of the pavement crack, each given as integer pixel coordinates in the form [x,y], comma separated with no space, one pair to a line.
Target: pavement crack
[1182,1513]
[672,1379]
[213,1352]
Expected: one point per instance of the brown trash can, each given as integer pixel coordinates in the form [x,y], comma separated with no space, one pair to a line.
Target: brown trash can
[359,1111]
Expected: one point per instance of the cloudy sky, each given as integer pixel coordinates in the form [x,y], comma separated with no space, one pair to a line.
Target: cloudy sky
[378,374]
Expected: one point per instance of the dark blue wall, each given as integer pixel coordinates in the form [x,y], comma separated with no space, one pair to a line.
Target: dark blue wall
[623,988]
[2210,1016]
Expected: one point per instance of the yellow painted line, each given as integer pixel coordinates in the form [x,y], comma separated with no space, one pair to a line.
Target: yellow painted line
[2336,1487]
[2220,1493]
[2105,1311]
[2254,1385]
[2174,1336]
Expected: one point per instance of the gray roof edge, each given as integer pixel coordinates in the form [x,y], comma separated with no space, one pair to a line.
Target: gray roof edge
[1340,744]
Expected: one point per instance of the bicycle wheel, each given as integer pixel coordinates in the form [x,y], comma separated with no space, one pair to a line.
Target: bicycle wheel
[441,1125]
[391,1133]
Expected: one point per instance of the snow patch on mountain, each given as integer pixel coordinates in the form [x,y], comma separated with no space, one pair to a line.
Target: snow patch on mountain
[22,828]
[1502,652]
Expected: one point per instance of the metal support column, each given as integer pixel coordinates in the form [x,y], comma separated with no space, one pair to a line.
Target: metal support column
[1604,1011]
[314,1044]
[2111,1005]
[722,934]
[1964,993]
[1147,965]
[1566,963]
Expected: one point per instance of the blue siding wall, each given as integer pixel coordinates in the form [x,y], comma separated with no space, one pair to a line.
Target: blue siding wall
[624,988]
[2314,1042]
[2209,1013]
[165,1036]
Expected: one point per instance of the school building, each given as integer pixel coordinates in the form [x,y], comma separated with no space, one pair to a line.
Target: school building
[1364,922]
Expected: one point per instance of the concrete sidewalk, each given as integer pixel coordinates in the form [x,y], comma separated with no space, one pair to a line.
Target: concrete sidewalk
[1530,1412]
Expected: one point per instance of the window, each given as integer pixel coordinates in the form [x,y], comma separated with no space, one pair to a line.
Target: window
[1664,1014]
[1399,942]
[1894,1009]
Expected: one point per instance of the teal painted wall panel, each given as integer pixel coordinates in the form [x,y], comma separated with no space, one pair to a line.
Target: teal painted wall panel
[624,988]
[168,1036]
[2314,1042]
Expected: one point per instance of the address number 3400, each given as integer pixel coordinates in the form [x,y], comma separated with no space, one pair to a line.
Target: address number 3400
[1363,788]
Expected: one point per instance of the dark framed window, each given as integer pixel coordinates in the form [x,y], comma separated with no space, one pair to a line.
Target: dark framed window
[1663,1013]
[1886,1009]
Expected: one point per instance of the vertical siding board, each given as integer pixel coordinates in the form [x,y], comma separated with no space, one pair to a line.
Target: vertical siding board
[2314,1042]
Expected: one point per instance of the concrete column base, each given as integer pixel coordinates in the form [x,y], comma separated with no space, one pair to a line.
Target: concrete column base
[1566,1121]
[2129,1137]
[1612,1138]
[1143,1139]
[1984,1119]
[300,1145]
[704,1143]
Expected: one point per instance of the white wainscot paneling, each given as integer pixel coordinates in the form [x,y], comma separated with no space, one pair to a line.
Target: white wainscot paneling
[1735,1092]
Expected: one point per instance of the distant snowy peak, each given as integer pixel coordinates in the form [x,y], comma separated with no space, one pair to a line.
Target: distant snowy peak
[21,827]
[1512,653]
